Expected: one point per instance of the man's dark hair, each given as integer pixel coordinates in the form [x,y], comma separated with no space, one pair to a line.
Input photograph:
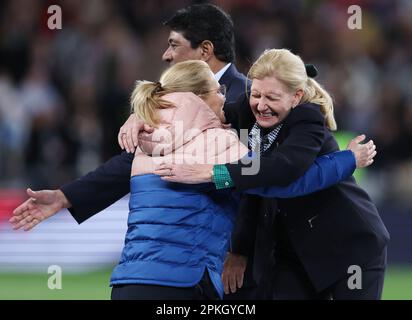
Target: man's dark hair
[201,22]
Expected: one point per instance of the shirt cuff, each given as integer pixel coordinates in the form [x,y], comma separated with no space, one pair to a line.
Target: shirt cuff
[221,177]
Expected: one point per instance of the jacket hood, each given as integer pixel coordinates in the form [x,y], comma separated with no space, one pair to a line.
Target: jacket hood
[186,119]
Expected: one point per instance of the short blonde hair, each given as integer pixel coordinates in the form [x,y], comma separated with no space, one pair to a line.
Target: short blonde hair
[289,69]
[188,76]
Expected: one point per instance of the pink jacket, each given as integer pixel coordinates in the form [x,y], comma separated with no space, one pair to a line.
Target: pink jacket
[189,133]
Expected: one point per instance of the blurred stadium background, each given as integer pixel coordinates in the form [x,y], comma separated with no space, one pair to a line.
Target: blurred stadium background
[64,94]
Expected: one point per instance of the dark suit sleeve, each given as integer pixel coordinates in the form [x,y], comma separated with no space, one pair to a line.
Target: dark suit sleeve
[239,115]
[286,163]
[231,114]
[100,188]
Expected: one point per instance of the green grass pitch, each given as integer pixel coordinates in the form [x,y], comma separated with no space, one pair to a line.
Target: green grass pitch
[95,286]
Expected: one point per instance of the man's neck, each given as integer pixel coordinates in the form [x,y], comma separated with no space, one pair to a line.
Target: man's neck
[216,65]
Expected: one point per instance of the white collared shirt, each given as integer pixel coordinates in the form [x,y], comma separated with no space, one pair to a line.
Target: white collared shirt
[221,72]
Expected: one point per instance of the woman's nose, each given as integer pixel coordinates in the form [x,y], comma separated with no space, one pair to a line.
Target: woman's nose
[261,106]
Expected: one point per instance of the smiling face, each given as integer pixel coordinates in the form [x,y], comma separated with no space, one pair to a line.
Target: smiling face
[271,101]
[179,49]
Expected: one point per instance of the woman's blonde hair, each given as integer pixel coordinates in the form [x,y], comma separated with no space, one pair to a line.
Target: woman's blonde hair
[289,69]
[188,76]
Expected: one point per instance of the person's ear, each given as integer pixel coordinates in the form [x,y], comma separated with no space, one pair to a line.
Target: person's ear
[297,97]
[207,50]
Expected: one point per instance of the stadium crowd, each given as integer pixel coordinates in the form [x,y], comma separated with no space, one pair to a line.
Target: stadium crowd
[65,93]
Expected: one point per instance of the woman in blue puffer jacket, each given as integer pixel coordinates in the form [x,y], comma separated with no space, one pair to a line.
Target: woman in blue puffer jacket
[178,234]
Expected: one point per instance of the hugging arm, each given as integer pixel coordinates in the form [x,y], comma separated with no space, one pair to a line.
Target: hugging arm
[324,172]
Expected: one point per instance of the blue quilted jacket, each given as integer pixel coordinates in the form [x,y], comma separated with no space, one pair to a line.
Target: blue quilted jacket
[176,231]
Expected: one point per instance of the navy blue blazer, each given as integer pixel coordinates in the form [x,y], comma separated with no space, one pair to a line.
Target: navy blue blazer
[236,83]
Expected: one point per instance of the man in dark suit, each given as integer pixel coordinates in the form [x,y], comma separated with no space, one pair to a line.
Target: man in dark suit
[192,36]
[201,32]
[198,32]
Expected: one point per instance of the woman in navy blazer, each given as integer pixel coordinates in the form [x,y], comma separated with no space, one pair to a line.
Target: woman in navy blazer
[329,244]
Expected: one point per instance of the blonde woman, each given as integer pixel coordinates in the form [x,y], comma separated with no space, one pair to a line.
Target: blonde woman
[320,238]
[178,234]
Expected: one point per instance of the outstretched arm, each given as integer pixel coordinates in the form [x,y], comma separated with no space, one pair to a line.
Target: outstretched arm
[100,188]
[40,206]
[83,197]
[87,195]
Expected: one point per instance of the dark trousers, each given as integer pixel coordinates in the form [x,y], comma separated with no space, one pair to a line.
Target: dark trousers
[204,290]
[291,282]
